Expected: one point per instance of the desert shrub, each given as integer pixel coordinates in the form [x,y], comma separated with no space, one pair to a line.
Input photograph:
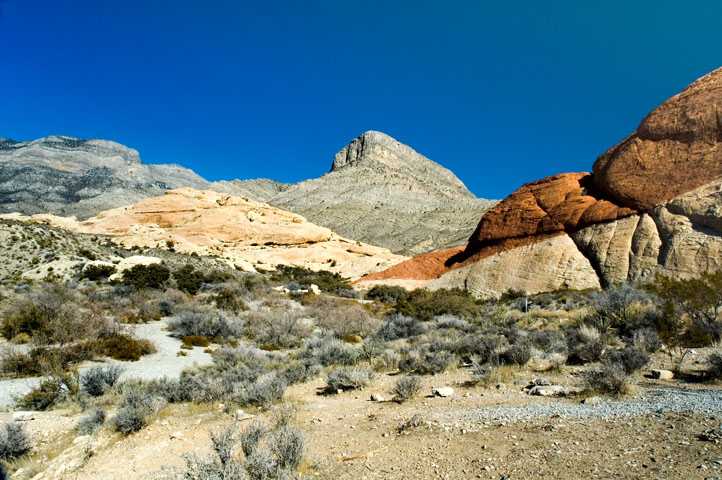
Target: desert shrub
[188,279]
[610,380]
[427,363]
[325,280]
[517,354]
[406,387]
[174,390]
[480,372]
[288,445]
[645,339]
[28,318]
[97,380]
[630,359]
[251,436]
[226,299]
[18,364]
[401,326]
[146,276]
[133,413]
[331,351]
[261,464]
[548,340]
[45,395]
[452,322]
[191,341]
[714,365]
[586,344]
[91,422]
[388,359]
[426,304]
[277,328]
[215,325]
[166,307]
[124,347]
[96,272]
[617,307]
[299,372]
[342,317]
[486,347]
[387,294]
[690,310]
[348,378]
[14,442]
[265,391]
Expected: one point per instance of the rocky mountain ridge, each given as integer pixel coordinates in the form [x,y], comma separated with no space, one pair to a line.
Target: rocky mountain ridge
[653,205]
[378,190]
[382,192]
[69,176]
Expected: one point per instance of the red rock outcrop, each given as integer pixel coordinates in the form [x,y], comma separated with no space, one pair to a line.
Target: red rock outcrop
[652,205]
[676,148]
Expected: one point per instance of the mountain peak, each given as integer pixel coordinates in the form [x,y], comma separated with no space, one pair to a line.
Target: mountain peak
[374,147]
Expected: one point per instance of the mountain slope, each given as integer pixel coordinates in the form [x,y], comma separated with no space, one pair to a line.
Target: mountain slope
[68,176]
[382,192]
[238,231]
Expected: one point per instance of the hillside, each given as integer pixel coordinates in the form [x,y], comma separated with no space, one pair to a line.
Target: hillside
[381,192]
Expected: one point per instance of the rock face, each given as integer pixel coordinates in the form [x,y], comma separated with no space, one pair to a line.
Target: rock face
[653,204]
[382,192]
[68,176]
[245,233]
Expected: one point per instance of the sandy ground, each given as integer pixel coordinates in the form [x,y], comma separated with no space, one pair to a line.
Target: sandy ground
[350,437]
[164,363]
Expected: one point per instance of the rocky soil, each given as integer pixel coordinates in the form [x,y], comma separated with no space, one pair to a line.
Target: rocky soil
[494,432]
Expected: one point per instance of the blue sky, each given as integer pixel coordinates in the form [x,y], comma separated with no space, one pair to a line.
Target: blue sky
[501,93]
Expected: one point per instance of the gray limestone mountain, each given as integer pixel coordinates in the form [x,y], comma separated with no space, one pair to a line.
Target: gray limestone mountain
[378,191]
[381,192]
[68,176]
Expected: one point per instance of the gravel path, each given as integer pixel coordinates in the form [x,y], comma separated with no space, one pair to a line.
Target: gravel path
[653,400]
[164,363]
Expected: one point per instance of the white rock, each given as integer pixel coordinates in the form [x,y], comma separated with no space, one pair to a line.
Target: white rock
[23,416]
[377,397]
[662,374]
[547,390]
[442,391]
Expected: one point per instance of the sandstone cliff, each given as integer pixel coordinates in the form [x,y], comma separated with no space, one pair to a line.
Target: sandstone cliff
[653,204]
[242,232]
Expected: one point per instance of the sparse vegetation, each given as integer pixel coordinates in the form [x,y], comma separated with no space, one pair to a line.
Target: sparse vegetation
[14,442]
[406,387]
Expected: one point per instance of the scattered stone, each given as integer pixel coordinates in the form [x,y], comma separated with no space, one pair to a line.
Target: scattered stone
[80,439]
[176,436]
[592,401]
[541,381]
[240,415]
[442,391]
[500,386]
[547,391]
[23,416]
[521,383]
[662,374]
[377,397]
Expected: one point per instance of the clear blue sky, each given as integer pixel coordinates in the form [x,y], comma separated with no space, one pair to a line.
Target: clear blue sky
[500,92]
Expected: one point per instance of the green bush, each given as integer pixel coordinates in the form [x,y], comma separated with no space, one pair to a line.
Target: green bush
[189,279]
[227,300]
[125,347]
[387,294]
[325,280]
[45,395]
[146,276]
[96,272]
[29,318]
[425,304]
